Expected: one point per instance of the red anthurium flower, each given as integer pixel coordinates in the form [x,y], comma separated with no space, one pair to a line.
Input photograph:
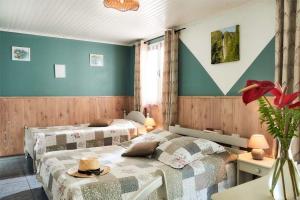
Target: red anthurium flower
[281,99]
[295,105]
[256,89]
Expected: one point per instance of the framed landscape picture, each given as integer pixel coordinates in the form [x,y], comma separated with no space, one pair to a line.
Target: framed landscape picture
[20,53]
[96,60]
[225,45]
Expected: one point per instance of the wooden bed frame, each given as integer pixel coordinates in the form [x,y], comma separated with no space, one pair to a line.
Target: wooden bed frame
[233,141]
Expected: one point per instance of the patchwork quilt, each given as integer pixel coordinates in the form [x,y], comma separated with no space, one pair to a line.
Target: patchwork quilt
[38,141]
[197,180]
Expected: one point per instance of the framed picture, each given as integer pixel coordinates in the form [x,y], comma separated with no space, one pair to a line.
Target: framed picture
[96,60]
[225,45]
[20,53]
[60,71]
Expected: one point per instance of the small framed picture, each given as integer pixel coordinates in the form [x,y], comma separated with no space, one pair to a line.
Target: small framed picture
[96,60]
[20,53]
[60,71]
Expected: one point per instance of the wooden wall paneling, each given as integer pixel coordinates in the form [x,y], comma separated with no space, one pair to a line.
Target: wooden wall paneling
[118,107]
[81,110]
[30,116]
[216,110]
[44,111]
[65,112]
[180,107]
[226,115]
[15,124]
[246,118]
[17,112]
[125,105]
[197,113]
[50,108]
[94,108]
[3,126]
[186,108]
[106,107]
[129,104]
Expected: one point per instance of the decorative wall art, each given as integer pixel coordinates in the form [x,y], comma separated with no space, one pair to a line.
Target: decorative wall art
[96,60]
[60,71]
[20,53]
[225,45]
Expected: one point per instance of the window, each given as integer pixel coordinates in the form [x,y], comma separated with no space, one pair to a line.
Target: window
[151,74]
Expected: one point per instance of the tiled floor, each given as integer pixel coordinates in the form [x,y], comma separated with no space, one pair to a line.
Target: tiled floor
[17,180]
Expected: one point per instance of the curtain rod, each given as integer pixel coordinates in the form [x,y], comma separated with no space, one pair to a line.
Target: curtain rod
[163,35]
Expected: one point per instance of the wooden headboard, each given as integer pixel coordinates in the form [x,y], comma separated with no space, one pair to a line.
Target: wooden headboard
[216,137]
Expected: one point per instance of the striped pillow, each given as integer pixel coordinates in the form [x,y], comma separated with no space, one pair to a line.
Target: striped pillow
[181,151]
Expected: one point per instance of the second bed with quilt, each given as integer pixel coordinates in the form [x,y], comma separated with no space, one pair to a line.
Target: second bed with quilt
[39,140]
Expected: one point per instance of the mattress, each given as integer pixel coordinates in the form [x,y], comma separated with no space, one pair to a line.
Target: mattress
[198,180]
[39,140]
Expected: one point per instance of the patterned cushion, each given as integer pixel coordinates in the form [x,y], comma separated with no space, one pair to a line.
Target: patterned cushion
[156,135]
[181,151]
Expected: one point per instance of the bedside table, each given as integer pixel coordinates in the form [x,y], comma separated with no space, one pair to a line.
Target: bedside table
[246,164]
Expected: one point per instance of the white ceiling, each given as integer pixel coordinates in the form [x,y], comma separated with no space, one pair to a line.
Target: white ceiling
[90,20]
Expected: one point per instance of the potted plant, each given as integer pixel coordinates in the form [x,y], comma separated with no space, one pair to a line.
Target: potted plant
[282,118]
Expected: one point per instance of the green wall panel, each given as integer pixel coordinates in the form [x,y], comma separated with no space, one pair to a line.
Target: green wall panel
[193,80]
[36,78]
[262,68]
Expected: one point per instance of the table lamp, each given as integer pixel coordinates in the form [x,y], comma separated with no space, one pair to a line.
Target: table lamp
[258,143]
[149,123]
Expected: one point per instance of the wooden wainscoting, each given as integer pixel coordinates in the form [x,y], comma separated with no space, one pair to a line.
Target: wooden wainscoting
[226,113]
[17,112]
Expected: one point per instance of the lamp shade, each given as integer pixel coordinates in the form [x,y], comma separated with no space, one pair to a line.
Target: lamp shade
[149,122]
[258,141]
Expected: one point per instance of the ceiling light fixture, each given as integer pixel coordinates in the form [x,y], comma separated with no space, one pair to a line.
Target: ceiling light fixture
[122,5]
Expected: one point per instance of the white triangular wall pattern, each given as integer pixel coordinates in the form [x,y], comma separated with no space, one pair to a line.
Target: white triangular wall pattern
[257,28]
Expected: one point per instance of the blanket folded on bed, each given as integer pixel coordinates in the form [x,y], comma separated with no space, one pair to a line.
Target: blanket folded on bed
[127,176]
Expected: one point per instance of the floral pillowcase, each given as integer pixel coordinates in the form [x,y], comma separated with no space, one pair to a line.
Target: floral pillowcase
[181,151]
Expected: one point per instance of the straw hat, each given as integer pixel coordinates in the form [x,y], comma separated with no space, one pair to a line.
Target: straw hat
[88,167]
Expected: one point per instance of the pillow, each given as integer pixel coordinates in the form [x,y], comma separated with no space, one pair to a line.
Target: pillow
[141,149]
[181,151]
[101,123]
[157,135]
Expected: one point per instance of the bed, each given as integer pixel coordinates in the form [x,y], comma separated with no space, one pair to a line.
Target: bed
[138,178]
[39,140]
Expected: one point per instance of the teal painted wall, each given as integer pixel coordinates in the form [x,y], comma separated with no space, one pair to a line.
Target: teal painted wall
[36,78]
[263,68]
[195,81]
